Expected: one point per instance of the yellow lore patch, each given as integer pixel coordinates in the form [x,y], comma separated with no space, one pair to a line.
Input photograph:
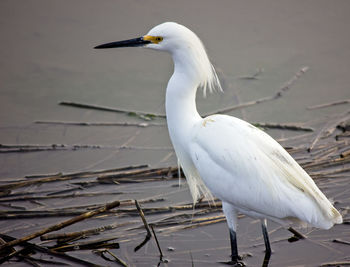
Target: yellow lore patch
[153,39]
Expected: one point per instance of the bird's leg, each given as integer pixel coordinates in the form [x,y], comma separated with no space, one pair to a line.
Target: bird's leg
[234,250]
[231,217]
[235,258]
[267,243]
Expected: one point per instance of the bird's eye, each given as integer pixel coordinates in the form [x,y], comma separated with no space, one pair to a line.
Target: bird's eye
[159,39]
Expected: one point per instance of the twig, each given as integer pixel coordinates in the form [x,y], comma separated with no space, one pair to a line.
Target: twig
[344,126]
[336,264]
[342,136]
[6,251]
[157,210]
[68,176]
[71,211]
[75,195]
[321,174]
[341,241]
[92,244]
[73,123]
[44,250]
[143,115]
[283,126]
[84,233]
[91,173]
[339,102]
[297,235]
[9,148]
[345,154]
[167,171]
[120,261]
[278,94]
[293,138]
[326,163]
[329,127]
[61,225]
[191,256]
[149,235]
[157,242]
[46,262]
[205,221]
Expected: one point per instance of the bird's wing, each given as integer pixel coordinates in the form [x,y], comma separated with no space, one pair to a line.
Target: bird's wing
[243,165]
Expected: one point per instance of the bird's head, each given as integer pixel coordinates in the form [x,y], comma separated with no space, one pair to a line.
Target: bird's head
[168,36]
[184,45]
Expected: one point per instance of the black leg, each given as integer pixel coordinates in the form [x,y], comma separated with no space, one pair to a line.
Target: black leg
[235,258]
[234,249]
[267,244]
[231,217]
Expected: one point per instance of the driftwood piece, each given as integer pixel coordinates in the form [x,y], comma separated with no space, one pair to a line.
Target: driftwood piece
[325,160]
[297,235]
[281,126]
[336,264]
[335,103]
[278,94]
[325,163]
[84,233]
[25,148]
[344,126]
[328,129]
[143,115]
[341,241]
[342,136]
[345,154]
[75,195]
[32,246]
[149,116]
[77,210]
[60,225]
[158,246]
[148,235]
[69,176]
[74,123]
[91,244]
[116,259]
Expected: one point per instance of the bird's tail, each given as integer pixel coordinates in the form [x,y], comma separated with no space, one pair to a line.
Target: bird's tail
[336,216]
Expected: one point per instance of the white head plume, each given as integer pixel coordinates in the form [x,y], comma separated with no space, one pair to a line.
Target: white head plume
[188,50]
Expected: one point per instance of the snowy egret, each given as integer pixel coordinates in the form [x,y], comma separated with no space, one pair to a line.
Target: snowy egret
[238,163]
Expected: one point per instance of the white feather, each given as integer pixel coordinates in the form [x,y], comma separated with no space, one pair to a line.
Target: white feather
[243,166]
[248,169]
[240,164]
[190,52]
[228,157]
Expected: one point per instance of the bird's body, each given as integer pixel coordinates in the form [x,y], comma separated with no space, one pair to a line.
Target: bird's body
[240,164]
[250,171]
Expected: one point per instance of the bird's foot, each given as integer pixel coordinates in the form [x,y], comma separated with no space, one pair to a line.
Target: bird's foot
[237,261]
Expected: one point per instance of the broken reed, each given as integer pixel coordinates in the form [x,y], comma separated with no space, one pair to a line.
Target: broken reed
[113,175]
[326,158]
[60,225]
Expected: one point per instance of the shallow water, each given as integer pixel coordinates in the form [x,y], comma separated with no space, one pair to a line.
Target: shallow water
[46,56]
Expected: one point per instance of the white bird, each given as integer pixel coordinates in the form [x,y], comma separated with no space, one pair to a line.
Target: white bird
[238,163]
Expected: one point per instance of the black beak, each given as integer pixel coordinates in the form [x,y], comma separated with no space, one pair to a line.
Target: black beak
[126,43]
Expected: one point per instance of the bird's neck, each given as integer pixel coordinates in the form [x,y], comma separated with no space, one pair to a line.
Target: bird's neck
[180,101]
